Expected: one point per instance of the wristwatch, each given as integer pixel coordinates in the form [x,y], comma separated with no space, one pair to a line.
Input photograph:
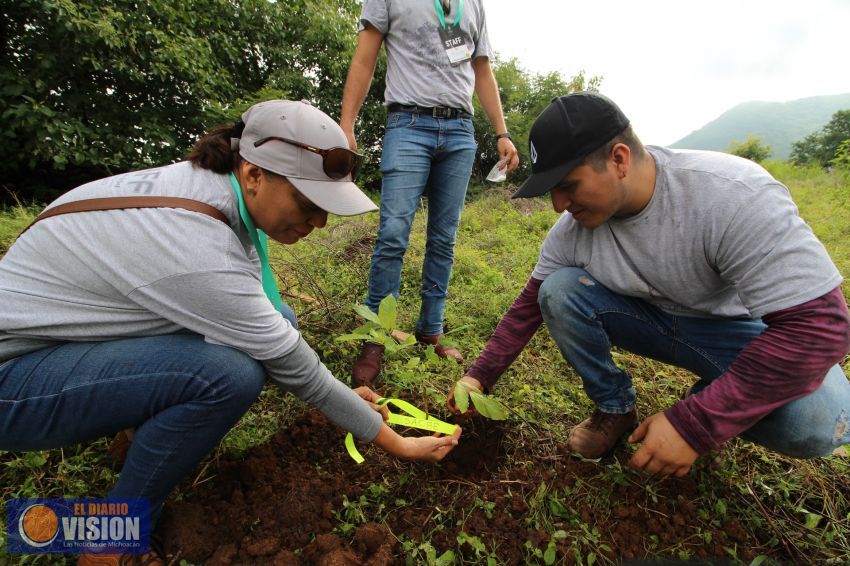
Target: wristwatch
[505,135]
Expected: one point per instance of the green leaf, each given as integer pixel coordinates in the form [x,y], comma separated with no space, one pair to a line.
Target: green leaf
[431,356]
[461,397]
[758,560]
[34,459]
[812,520]
[364,328]
[387,312]
[364,311]
[549,554]
[445,559]
[488,406]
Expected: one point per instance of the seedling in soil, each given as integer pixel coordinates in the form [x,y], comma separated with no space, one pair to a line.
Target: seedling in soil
[479,548]
[379,327]
[485,405]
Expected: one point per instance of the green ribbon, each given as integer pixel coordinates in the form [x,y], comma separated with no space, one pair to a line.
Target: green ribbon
[416,419]
[442,15]
[258,237]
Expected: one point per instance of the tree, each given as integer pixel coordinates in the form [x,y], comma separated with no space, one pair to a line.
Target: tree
[524,95]
[842,156]
[753,148]
[92,88]
[821,147]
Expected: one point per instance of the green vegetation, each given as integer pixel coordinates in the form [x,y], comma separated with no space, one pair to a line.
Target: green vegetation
[803,505]
[12,221]
[379,327]
[524,95]
[183,68]
[823,146]
[842,156]
[92,88]
[753,148]
[486,406]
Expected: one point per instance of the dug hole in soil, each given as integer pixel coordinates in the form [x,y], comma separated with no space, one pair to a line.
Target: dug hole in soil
[283,503]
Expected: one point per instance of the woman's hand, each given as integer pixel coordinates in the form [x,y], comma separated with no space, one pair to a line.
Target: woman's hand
[371,397]
[472,383]
[421,448]
[429,448]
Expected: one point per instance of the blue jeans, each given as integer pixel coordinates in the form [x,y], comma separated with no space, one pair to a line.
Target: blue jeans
[429,156]
[180,393]
[586,319]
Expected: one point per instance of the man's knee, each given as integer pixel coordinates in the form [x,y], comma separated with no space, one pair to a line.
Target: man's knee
[819,436]
[560,289]
[393,235]
[817,443]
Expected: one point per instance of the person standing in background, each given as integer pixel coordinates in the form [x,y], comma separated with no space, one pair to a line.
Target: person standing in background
[438,53]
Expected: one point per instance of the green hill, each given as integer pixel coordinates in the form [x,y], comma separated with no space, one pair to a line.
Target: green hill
[779,124]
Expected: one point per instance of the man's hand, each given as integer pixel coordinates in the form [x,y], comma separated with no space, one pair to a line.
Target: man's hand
[359,78]
[508,153]
[450,401]
[352,141]
[371,397]
[664,451]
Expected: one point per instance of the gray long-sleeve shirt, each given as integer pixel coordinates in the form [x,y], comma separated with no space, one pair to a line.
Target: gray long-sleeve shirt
[105,275]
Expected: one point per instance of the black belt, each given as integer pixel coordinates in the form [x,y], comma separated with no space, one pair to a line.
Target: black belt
[436,111]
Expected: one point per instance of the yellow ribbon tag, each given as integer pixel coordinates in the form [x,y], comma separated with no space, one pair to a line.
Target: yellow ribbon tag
[416,419]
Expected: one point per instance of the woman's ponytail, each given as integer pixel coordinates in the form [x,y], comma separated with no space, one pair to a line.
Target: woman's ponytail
[214,150]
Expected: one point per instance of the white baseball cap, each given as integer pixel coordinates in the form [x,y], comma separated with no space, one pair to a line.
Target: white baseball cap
[305,145]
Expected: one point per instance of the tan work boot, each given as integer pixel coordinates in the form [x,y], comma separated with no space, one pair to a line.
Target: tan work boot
[597,436]
[440,349]
[367,366]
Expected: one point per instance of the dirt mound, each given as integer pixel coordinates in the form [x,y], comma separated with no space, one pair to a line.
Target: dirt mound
[300,499]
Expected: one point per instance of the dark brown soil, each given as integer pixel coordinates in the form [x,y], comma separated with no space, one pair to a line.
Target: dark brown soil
[285,503]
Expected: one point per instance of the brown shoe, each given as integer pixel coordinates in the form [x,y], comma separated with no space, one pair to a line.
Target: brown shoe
[597,436]
[367,366]
[120,445]
[440,349]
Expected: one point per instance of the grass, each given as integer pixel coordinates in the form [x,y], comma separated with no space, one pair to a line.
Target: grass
[804,504]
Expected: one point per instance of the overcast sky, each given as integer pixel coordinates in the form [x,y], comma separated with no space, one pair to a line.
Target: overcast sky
[674,65]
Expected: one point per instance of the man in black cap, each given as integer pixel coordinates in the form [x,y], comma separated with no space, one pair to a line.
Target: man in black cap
[697,259]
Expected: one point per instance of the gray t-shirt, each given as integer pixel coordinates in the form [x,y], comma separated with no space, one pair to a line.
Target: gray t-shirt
[105,275]
[719,238]
[418,69]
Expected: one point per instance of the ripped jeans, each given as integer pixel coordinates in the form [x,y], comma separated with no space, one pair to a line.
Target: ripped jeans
[585,319]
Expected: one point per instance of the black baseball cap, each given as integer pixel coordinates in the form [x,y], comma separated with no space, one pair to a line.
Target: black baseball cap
[567,131]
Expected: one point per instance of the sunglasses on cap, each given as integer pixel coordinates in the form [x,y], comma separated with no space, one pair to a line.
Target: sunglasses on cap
[337,162]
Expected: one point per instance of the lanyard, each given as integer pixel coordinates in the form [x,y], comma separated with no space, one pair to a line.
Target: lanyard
[258,237]
[417,419]
[442,15]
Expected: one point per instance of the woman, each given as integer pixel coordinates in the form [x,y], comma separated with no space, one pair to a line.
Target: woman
[157,319]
